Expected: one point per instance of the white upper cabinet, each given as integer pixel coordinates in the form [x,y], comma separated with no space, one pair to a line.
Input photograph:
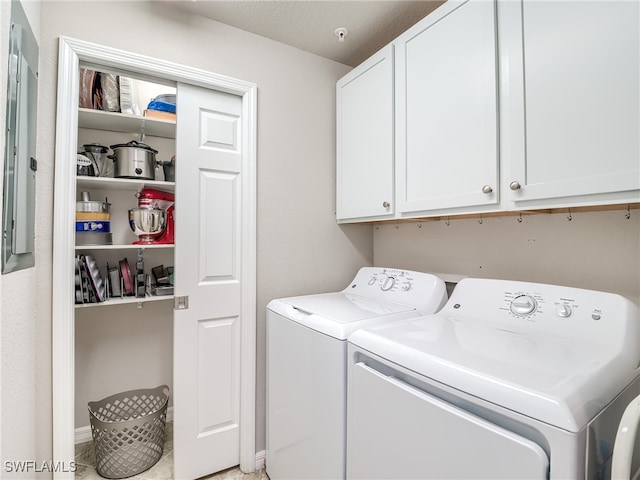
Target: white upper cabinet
[446,110]
[499,106]
[364,139]
[571,116]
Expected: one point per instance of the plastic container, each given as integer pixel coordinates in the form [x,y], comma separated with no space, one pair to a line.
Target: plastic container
[167,97]
[128,431]
[161,106]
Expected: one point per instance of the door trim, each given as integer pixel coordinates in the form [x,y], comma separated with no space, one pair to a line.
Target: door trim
[71,53]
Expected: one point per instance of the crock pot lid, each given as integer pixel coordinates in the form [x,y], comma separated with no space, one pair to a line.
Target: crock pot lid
[96,147]
[134,144]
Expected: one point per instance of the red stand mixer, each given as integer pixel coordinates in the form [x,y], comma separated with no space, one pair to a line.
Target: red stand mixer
[152,219]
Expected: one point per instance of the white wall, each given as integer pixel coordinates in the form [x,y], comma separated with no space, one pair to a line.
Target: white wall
[595,250]
[25,330]
[300,247]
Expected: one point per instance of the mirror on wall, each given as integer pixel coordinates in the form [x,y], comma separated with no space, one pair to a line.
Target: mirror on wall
[20,165]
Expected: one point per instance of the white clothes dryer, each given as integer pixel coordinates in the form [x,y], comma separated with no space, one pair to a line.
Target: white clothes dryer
[307,364]
[510,380]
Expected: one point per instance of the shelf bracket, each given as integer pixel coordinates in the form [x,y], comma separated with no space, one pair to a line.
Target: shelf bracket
[142,130]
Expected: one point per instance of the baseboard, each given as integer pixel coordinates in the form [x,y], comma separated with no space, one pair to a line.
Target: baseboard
[260,459]
[83,434]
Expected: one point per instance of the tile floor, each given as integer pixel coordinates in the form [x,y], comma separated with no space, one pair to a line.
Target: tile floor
[163,470]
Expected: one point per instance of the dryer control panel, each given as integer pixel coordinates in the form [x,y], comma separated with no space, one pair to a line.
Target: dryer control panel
[530,305]
[405,287]
[525,304]
[526,307]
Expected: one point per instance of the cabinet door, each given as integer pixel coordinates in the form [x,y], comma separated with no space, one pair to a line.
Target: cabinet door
[364,139]
[580,108]
[446,109]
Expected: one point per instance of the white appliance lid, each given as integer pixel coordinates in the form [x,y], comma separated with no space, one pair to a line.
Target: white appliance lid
[344,307]
[375,295]
[338,314]
[554,380]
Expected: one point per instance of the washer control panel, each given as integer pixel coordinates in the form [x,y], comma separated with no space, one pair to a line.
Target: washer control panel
[392,280]
[405,287]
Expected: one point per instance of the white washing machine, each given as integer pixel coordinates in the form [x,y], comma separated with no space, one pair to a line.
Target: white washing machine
[307,364]
[509,380]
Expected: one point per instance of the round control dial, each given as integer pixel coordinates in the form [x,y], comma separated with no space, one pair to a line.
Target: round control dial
[523,305]
[388,284]
[563,311]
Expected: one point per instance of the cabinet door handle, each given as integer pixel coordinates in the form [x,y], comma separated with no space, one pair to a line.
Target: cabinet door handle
[487,189]
[386,204]
[514,186]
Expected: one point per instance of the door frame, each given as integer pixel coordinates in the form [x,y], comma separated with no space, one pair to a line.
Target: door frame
[71,53]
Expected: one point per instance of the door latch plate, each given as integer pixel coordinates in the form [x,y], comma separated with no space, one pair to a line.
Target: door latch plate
[181,303]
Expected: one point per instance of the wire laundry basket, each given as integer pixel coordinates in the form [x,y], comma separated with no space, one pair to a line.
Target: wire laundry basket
[128,431]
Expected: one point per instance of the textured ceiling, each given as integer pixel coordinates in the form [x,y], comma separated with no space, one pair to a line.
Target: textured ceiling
[310,24]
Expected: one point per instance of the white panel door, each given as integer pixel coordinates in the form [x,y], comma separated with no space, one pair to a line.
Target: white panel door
[580,78]
[364,139]
[208,265]
[422,437]
[446,109]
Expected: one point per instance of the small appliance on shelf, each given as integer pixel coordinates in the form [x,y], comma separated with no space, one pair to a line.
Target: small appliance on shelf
[152,219]
[93,161]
